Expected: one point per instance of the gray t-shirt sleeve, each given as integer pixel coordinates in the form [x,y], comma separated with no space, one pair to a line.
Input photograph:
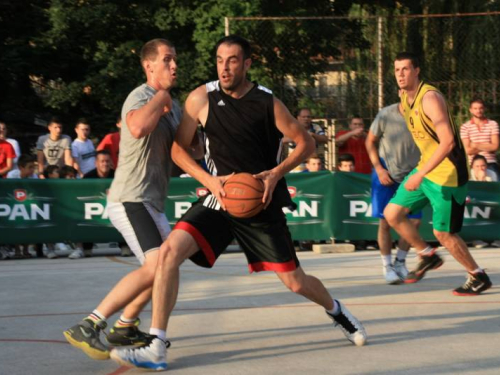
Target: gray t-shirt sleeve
[66,142]
[378,124]
[137,100]
[39,143]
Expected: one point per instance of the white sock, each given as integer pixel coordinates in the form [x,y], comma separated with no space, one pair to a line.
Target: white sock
[426,252]
[401,254]
[96,316]
[386,260]
[336,308]
[477,270]
[162,335]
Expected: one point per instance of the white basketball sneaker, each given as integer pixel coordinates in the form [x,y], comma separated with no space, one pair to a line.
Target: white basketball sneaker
[391,276]
[152,356]
[350,325]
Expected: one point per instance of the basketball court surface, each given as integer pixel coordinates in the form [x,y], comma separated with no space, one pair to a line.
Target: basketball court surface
[229,322]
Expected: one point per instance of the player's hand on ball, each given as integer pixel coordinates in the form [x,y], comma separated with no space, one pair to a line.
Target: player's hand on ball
[216,187]
[270,180]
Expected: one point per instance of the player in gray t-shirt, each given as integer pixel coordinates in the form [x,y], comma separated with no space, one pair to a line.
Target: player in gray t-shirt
[393,154]
[136,200]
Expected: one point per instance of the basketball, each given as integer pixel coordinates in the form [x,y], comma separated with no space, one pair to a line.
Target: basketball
[243,195]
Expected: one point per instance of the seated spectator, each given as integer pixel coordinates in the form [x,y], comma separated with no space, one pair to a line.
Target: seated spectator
[53,148]
[103,166]
[26,164]
[52,171]
[111,143]
[352,142]
[68,172]
[479,170]
[346,163]
[480,135]
[313,164]
[13,142]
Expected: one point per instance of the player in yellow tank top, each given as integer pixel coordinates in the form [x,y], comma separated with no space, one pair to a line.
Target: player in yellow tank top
[453,169]
[440,179]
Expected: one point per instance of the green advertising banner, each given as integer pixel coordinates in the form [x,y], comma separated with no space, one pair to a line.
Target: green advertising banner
[328,205]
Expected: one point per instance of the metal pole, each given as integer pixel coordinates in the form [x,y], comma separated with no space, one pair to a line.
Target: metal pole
[226,25]
[380,72]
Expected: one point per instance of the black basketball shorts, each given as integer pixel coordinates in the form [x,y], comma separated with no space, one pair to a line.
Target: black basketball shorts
[264,238]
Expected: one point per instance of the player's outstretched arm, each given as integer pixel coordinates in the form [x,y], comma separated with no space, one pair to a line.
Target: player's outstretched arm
[305,146]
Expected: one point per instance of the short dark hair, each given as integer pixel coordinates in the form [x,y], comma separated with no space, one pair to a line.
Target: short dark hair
[149,50]
[476,100]
[236,39]
[408,56]
[102,152]
[81,120]
[313,156]
[24,159]
[346,157]
[302,109]
[478,157]
[54,120]
[49,169]
[66,170]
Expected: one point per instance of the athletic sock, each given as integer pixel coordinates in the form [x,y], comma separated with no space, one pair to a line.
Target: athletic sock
[401,254]
[477,270]
[124,322]
[426,252]
[386,260]
[336,308]
[162,335]
[96,316]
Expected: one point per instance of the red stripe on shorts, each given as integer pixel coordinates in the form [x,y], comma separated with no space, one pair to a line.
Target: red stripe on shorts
[200,240]
[268,266]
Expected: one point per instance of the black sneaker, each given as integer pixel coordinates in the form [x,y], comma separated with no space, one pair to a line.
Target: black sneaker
[475,284]
[350,325]
[426,263]
[85,336]
[125,336]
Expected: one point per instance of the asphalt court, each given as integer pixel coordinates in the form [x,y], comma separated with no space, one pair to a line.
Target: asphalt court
[229,322]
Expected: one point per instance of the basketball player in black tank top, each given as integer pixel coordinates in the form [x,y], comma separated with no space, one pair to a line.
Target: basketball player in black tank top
[243,126]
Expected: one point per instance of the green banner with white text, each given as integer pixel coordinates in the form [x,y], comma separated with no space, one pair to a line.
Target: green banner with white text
[328,205]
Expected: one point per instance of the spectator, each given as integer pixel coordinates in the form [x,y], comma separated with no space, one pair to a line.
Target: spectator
[111,143]
[68,172]
[479,170]
[52,171]
[53,148]
[480,135]
[313,164]
[102,170]
[352,142]
[346,163]
[82,148]
[7,155]
[26,168]
[304,118]
[13,142]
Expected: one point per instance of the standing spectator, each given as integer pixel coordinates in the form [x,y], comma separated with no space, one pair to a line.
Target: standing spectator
[352,142]
[346,163]
[480,135]
[111,143]
[7,155]
[13,142]
[393,154]
[82,148]
[53,148]
[102,170]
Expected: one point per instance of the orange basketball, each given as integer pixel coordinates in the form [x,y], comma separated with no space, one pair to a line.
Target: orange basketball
[243,195]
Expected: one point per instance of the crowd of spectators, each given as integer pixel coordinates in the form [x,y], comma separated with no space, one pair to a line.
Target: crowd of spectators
[57,156]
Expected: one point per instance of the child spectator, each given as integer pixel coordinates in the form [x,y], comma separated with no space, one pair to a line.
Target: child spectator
[479,170]
[67,172]
[26,164]
[52,171]
[313,164]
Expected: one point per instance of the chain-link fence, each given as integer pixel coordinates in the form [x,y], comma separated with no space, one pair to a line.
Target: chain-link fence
[344,66]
